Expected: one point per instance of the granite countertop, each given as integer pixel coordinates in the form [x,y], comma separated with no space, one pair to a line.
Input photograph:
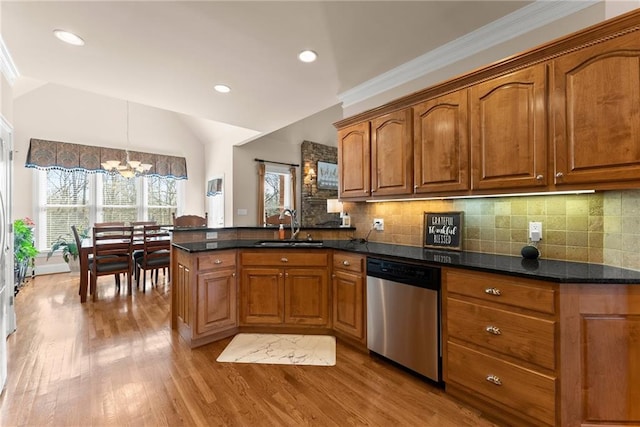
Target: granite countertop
[267,227]
[543,269]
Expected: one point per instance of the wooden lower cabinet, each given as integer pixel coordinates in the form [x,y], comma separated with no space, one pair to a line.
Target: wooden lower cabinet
[216,302]
[287,287]
[600,351]
[204,295]
[500,345]
[349,300]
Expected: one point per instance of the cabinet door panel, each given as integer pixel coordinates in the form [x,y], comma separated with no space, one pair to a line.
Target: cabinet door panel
[261,291]
[348,303]
[596,94]
[509,130]
[354,162]
[306,297]
[216,303]
[392,154]
[441,144]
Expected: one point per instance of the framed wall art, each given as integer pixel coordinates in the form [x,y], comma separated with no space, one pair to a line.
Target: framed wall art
[327,176]
[443,230]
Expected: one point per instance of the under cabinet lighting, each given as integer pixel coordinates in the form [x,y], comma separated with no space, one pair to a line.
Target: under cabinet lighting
[481,196]
[69,37]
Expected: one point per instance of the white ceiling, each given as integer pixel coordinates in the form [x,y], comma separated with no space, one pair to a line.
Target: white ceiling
[169,54]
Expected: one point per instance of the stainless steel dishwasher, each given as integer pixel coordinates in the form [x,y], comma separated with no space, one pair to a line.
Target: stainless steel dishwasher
[403,315]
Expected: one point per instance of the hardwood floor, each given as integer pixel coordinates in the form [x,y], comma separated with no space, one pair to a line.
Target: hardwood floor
[117,362]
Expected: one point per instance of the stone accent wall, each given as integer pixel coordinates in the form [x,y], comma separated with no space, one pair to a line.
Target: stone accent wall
[314,201]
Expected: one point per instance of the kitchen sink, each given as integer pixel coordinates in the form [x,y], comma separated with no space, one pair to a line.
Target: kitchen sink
[289,243]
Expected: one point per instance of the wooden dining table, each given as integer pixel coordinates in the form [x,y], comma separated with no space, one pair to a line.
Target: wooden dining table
[87,248]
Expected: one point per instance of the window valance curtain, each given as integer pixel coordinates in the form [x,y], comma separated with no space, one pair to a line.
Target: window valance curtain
[47,155]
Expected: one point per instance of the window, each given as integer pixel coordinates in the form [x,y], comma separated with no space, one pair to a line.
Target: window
[66,198]
[277,190]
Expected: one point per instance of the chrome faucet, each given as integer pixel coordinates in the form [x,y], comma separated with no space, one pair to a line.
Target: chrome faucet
[295,226]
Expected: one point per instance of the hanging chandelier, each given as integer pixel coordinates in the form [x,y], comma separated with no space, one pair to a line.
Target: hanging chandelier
[131,168]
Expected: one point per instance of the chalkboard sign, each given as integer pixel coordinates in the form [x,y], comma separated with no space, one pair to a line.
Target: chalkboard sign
[443,230]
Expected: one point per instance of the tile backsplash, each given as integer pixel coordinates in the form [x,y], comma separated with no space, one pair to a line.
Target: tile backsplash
[600,228]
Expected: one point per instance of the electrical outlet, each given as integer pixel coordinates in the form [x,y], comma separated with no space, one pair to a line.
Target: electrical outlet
[378,224]
[535,231]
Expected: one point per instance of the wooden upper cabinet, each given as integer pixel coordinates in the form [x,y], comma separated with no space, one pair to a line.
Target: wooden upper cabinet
[354,161]
[392,154]
[596,113]
[508,128]
[441,144]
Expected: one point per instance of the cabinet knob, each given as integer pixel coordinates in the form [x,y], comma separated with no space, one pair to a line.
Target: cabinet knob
[494,379]
[559,175]
[217,261]
[346,263]
[539,177]
[283,259]
[493,291]
[233,274]
[279,274]
[493,330]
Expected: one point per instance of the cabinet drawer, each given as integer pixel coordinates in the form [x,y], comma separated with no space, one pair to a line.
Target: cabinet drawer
[525,337]
[520,389]
[348,262]
[499,289]
[216,260]
[285,258]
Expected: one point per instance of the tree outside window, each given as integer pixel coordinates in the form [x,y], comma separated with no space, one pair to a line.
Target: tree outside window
[78,198]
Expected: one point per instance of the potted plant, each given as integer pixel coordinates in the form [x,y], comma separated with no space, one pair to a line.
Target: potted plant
[24,250]
[69,248]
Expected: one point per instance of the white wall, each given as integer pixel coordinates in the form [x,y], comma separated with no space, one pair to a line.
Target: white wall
[564,26]
[280,146]
[61,114]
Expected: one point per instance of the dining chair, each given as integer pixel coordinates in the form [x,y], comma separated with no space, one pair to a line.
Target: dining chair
[190,220]
[111,254]
[138,228]
[109,224]
[76,236]
[156,254]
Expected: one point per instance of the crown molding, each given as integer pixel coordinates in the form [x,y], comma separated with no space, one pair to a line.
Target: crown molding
[7,66]
[515,24]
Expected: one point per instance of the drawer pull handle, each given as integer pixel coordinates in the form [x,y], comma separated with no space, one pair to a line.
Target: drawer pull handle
[494,379]
[346,263]
[493,291]
[283,259]
[217,261]
[493,330]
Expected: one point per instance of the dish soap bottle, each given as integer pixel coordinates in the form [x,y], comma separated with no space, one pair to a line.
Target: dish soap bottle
[281,232]
[346,220]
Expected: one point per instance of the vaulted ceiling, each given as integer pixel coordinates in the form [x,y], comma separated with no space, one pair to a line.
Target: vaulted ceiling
[170,54]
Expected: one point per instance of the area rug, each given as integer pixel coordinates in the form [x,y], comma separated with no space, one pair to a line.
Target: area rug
[281,349]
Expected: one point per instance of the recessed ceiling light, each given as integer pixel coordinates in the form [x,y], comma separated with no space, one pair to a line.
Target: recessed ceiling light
[307,56]
[222,88]
[68,37]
